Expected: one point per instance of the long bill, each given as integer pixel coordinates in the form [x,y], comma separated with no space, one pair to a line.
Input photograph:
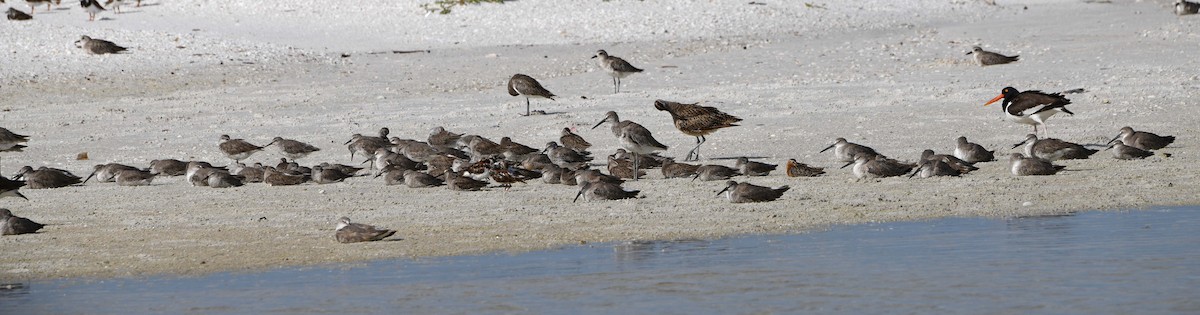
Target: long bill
[600,123]
[1019,144]
[723,190]
[829,147]
[994,99]
[1114,139]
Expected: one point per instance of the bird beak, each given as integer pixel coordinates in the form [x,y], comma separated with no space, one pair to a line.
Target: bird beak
[847,164]
[599,123]
[1109,147]
[89,177]
[594,56]
[994,100]
[19,194]
[1019,144]
[1114,139]
[723,191]
[970,52]
[694,177]
[580,193]
[827,148]
[269,144]
[349,141]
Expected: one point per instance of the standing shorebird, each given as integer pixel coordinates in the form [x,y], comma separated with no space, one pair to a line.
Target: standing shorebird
[1142,140]
[1123,152]
[697,121]
[238,149]
[846,151]
[616,67]
[972,152]
[14,225]
[1051,149]
[1185,8]
[34,3]
[528,87]
[747,192]
[98,46]
[633,137]
[92,7]
[1030,107]
[1028,166]
[293,149]
[987,58]
[347,232]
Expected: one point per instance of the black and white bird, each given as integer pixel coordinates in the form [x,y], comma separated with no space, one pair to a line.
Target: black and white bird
[616,67]
[92,7]
[1183,7]
[1030,107]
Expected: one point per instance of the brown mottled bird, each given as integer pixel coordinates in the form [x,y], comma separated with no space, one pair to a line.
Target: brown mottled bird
[697,121]
[573,141]
[357,232]
[987,58]
[238,149]
[797,169]
[670,169]
[523,85]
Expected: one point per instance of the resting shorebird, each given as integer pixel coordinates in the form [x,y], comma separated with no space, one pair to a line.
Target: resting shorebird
[133,178]
[92,7]
[616,67]
[251,174]
[715,172]
[746,192]
[1030,107]
[526,86]
[439,137]
[1142,140]
[98,46]
[115,5]
[670,169]
[1027,166]
[415,179]
[957,163]
[697,121]
[1123,152]
[934,167]
[14,225]
[846,151]
[238,149]
[633,137]
[108,172]
[168,167]
[11,188]
[573,141]
[797,169]
[46,177]
[987,58]
[1051,149]
[294,149]
[17,15]
[754,168]
[357,232]
[1185,8]
[603,191]
[877,166]
[972,152]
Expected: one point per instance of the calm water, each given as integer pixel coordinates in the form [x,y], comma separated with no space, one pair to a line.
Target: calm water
[1139,262]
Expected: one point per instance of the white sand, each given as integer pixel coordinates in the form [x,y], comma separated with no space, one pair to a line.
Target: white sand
[889,74]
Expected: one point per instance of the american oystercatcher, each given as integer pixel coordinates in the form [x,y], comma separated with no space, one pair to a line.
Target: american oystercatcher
[1030,107]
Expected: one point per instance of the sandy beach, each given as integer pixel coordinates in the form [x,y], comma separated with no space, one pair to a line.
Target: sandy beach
[888,74]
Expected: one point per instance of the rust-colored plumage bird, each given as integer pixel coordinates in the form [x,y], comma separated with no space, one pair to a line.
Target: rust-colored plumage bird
[697,121]
[797,169]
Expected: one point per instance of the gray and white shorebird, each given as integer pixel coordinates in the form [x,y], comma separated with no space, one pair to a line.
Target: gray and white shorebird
[238,149]
[439,137]
[365,145]
[697,121]
[1186,8]
[168,167]
[34,3]
[11,142]
[958,164]
[796,169]
[274,177]
[878,166]
[92,7]
[197,172]
[645,161]
[251,173]
[1051,149]
[632,136]
[115,5]
[223,179]
[616,67]
[754,168]
[514,151]
[415,179]
[324,175]
[133,178]
[987,58]
[347,232]
[746,192]
[1030,107]
[564,157]
[715,172]
[13,225]
[16,15]
[45,177]
[622,167]
[672,169]
[573,141]
[108,172]
[551,174]
[603,191]
[927,168]
[972,152]
[1142,140]
[98,46]
[457,182]
[523,85]
[595,176]
[293,149]
[1121,151]
[846,151]
[11,188]
[1028,166]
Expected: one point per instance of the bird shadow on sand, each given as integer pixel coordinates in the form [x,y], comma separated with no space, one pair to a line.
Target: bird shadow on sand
[396,239]
[737,157]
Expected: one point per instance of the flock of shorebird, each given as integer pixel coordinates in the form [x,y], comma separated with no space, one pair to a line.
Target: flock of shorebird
[472,162]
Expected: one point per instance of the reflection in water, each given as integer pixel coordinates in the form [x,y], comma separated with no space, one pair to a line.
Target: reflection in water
[1093,263]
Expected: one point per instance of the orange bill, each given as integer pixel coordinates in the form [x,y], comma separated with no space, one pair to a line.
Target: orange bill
[994,100]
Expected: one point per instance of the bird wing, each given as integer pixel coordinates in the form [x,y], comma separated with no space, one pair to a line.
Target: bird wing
[1032,102]
[620,65]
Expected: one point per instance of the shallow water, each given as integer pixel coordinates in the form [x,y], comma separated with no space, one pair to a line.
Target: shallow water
[1137,262]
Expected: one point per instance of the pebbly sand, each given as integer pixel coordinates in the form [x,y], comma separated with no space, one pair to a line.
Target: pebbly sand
[888,74]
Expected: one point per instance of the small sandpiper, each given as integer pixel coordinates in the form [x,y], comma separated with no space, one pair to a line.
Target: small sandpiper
[324,175]
[594,176]
[14,225]
[697,121]
[1142,140]
[1027,166]
[274,177]
[514,151]
[523,85]
[293,149]
[238,149]
[347,232]
[573,141]
[197,172]
[754,168]
[1030,107]
[603,191]
[878,166]
[715,172]
[1121,151]
[415,179]
[958,164]
[622,168]
[1051,149]
[934,167]
[846,151]
[168,167]
[1186,8]
[11,142]
[972,152]
[365,145]
[250,174]
[564,157]
[616,67]
[223,179]
[797,169]
[91,6]
[632,136]
[454,181]
[671,169]
[46,177]
[439,137]
[108,172]
[747,192]
[987,58]
[133,178]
